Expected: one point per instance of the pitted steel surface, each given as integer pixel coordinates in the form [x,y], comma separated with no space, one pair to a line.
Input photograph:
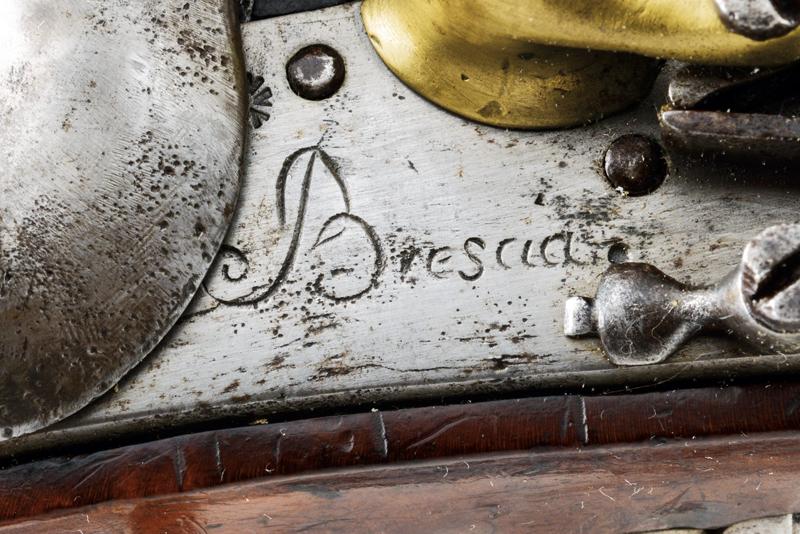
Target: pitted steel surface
[122,136]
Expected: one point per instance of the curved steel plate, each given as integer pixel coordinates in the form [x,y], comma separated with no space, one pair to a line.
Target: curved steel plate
[122,136]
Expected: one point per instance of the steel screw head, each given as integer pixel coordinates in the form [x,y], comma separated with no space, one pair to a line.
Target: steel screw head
[759,20]
[316,72]
[635,164]
[770,278]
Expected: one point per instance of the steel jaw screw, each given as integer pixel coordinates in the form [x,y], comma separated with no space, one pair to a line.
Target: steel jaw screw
[643,316]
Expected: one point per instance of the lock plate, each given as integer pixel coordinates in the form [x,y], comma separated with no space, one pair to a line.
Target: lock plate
[384,249]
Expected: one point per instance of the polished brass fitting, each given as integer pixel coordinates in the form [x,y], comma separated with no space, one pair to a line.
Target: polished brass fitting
[552,63]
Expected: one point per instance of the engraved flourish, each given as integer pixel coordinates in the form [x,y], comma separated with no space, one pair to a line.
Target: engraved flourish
[343,242]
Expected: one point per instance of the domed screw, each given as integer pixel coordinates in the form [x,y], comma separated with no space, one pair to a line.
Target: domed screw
[635,165]
[316,72]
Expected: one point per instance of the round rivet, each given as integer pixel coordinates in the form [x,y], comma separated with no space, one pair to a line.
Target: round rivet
[635,164]
[316,72]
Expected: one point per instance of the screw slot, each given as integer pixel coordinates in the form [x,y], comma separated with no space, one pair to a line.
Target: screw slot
[770,274]
[779,279]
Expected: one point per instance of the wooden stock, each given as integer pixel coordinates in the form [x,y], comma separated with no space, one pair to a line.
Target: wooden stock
[703,483]
[209,459]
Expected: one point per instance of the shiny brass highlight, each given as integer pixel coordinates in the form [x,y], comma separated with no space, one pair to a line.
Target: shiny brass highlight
[551,63]
[503,81]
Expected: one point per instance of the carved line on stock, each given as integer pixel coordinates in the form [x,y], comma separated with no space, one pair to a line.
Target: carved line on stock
[651,421]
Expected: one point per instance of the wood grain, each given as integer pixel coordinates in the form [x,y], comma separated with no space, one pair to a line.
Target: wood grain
[705,483]
[211,458]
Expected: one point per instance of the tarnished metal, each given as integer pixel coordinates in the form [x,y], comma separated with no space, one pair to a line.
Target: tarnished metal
[760,19]
[643,316]
[316,72]
[635,164]
[122,137]
[745,134]
[715,88]
[739,112]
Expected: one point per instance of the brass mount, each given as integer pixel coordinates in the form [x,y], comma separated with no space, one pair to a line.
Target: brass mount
[535,64]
